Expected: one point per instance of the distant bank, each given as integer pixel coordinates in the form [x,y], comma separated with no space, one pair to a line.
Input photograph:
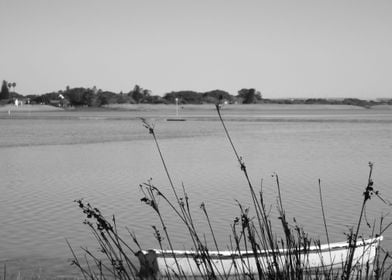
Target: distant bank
[191,107]
[27,108]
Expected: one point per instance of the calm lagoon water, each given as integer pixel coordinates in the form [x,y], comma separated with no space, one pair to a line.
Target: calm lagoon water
[50,159]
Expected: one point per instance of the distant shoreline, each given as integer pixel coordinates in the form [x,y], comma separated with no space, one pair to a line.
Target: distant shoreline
[153,107]
[28,108]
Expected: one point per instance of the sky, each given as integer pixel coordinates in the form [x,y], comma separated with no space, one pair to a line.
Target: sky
[282,48]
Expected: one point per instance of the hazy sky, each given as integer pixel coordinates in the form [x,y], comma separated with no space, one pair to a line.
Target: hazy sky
[289,48]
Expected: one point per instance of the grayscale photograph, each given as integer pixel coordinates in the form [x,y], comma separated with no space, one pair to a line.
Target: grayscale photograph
[181,139]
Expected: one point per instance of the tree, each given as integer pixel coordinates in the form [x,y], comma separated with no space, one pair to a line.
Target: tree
[136,93]
[75,96]
[146,94]
[215,96]
[249,96]
[184,97]
[139,94]
[4,94]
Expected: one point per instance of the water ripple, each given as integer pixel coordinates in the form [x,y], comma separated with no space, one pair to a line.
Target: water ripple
[104,161]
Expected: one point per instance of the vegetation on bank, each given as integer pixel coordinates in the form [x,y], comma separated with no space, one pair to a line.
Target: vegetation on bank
[93,97]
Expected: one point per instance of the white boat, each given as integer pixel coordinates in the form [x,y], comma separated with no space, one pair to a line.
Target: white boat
[156,263]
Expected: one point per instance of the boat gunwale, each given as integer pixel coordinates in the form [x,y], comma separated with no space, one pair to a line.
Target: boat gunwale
[264,253]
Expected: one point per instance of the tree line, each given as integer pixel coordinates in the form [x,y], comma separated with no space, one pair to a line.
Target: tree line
[94,97]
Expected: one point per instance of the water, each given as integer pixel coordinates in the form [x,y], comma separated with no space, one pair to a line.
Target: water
[50,159]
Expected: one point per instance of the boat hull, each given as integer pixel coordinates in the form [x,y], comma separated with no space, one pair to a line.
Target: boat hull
[191,263]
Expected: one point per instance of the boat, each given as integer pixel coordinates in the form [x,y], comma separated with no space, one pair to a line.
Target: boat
[156,263]
[177,118]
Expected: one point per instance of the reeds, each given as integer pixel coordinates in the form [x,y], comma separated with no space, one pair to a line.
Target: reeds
[286,255]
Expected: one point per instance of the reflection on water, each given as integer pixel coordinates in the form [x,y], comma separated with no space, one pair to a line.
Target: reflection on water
[46,164]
